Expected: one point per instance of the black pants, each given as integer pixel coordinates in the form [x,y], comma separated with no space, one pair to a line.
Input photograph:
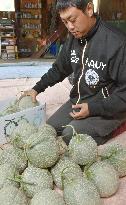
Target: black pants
[97,127]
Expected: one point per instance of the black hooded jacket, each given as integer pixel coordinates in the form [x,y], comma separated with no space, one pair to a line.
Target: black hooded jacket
[99,64]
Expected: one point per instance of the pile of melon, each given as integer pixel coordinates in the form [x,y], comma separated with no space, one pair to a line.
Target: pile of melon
[36,160]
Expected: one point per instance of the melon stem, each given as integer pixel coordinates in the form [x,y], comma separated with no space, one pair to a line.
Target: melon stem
[74,132]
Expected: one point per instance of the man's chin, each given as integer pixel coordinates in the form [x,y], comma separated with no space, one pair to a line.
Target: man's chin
[77,35]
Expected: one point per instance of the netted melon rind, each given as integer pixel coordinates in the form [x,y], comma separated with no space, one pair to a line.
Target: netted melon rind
[10,195]
[83,149]
[14,156]
[81,192]
[105,178]
[67,167]
[47,197]
[35,180]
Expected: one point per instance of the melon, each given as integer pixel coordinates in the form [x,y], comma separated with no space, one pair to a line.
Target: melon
[26,102]
[81,191]
[14,156]
[83,149]
[107,150]
[44,154]
[37,138]
[21,133]
[67,167]
[7,175]
[10,195]
[47,129]
[115,154]
[47,197]
[62,145]
[44,132]
[104,176]
[35,180]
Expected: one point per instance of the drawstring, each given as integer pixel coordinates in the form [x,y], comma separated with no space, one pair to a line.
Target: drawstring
[82,71]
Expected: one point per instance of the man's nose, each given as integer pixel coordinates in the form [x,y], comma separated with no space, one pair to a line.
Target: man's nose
[70,26]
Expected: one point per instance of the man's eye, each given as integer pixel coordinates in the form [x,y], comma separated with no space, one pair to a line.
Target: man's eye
[72,20]
[64,22]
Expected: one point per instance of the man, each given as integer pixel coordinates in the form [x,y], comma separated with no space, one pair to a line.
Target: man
[96,53]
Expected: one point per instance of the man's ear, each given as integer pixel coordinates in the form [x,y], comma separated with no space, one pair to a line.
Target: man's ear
[90,9]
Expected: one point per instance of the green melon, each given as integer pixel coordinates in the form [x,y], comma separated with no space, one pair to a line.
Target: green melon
[67,167]
[47,197]
[62,145]
[26,102]
[35,180]
[7,175]
[119,162]
[10,195]
[80,191]
[47,129]
[43,155]
[21,133]
[108,150]
[44,132]
[83,149]
[37,138]
[13,156]
[104,176]
[115,154]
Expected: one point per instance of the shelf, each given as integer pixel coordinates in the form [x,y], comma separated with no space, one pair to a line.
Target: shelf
[6,28]
[9,51]
[25,51]
[5,49]
[31,29]
[13,37]
[31,24]
[31,8]
[8,45]
[31,18]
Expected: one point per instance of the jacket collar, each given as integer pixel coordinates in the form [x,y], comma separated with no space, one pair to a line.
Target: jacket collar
[90,34]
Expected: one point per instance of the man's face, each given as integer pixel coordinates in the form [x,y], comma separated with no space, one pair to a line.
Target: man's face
[77,22]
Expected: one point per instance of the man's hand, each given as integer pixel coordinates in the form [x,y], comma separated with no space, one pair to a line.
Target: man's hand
[31,93]
[83,113]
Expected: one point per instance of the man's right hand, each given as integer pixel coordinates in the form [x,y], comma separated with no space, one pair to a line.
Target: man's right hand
[31,93]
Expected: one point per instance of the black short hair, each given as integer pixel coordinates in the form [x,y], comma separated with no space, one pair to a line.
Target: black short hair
[64,4]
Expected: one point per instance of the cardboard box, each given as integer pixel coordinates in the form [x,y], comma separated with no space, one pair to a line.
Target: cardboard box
[36,116]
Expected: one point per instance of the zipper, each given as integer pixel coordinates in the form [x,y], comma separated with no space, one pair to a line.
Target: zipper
[83,54]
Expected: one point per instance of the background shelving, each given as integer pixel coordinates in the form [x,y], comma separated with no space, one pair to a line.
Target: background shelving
[32,20]
[8,48]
